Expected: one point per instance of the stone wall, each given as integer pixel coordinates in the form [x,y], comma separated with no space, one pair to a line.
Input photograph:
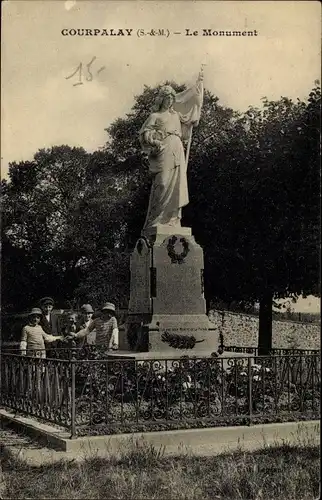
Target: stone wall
[242,330]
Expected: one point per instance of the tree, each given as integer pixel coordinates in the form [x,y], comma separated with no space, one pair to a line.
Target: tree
[259,233]
[58,210]
[106,275]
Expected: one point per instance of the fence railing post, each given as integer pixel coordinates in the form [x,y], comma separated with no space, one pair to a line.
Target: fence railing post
[250,391]
[1,365]
[73,402]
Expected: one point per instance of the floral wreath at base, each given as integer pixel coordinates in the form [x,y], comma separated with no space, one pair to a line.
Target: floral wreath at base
[174,256]
[180,341]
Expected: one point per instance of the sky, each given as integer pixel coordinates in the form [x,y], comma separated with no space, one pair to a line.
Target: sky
[310,304]
[41,107]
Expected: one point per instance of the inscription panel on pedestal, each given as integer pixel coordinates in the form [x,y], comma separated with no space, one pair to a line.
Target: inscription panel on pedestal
[183,329]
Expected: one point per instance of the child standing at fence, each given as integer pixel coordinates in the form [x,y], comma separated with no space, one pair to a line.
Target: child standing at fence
[69,323]
[69,326]
[33,337]
[105,326]
[86,319]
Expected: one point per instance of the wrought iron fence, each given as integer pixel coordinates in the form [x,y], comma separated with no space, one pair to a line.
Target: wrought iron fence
[109,395]
[38,387]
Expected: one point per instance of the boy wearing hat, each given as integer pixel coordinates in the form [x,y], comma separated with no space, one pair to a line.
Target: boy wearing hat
[49,322]
[105,326]
[87,314]
[33,337]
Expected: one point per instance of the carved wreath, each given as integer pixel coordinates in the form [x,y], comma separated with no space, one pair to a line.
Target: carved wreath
[175,256]
[180,341]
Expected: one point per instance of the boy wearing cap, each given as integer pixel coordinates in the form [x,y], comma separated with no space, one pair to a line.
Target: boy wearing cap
[49,322]
[105,326]
[33,337]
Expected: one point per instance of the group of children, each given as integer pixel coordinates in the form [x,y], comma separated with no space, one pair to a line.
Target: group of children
[43,328]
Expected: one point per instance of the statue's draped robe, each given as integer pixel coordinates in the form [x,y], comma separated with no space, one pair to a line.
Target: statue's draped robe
[169,191]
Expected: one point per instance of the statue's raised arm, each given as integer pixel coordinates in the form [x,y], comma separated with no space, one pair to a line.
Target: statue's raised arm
[162,136]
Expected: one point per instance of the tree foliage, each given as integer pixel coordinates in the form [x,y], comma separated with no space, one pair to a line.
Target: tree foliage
[258,216]
[59,210]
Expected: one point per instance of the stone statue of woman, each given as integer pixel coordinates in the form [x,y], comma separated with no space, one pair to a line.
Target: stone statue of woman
[162,136]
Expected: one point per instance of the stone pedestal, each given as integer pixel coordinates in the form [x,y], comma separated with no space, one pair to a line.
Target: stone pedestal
[167,309]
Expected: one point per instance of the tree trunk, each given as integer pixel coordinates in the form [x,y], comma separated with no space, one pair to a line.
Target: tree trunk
[265,324]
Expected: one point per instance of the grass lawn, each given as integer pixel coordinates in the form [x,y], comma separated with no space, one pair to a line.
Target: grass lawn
[142,472]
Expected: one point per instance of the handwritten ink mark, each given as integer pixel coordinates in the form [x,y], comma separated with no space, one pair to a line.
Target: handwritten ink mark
[79,68]
[89,74]
[101,69]
[89,78]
